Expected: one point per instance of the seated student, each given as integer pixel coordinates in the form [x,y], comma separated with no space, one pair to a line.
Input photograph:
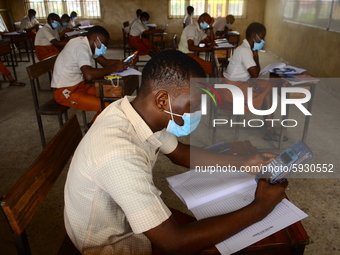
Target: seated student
[195,34]
[245,65]
[47,42]
[111,203]
[73,18]
[30,23]
[221,25]
[138,29]
[64,20]
[188,18]
[73,68]
[8,75]
[138,13]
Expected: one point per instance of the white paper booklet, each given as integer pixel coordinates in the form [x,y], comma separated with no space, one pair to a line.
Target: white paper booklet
[207,196]
[270,68]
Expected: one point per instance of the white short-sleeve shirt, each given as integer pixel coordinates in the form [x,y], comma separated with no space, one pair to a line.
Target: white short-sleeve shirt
[187,20]
[191,32]
[110,197]
[76,53]
[72,23]
[241,61]
[219,24]
[27,23]
[45,35]
[137,28]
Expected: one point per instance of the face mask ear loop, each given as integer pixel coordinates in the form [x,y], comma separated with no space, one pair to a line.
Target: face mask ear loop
[172,116]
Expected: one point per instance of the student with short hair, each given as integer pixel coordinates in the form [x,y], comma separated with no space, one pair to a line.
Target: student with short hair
[222,25]
[111,203]
[73,18]
[195,34]
[138,29]
[138,14]
[64,20]
[188,18]
[243,69]
[47,42]
[73,68]
[30,23]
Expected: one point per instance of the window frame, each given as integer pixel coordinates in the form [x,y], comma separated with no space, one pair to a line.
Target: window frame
[186,3]
[65,8]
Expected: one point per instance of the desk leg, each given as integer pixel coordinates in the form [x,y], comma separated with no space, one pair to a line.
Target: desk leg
[13,66]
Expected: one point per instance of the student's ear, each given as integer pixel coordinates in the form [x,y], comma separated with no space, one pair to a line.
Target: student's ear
[161,99]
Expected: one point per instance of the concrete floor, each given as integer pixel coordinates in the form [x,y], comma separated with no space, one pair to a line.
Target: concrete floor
[318,196]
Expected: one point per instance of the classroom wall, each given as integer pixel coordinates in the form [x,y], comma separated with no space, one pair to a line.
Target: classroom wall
[314,49]
[114,13]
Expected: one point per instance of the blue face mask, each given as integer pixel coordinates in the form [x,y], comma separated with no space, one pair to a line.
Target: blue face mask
[99,51]
[191,121]
[258,46]
[65,24]
[145,22]
[192,14]
[74,18]
[33,17]
[55,24]
[227,25]
[204,25]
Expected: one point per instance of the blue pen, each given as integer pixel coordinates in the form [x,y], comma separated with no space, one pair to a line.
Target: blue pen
[128,59]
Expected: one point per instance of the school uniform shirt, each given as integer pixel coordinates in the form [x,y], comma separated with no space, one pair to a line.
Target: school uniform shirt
[132,21]
[187,20]
[45,35]
[191,32]
[110,197]
[241,61]
[72,23]
[137,28]
[219,24]
[27,23]
[76,53]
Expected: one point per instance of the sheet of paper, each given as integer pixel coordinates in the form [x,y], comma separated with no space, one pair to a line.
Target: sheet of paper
[224,45]
[72,33]
[199,188]
[282,216]
[270,67]
[129,71]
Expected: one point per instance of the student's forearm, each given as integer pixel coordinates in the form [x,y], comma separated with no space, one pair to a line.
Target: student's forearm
[204,234]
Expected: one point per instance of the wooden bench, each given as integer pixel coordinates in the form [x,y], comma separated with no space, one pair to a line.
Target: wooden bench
[24,198]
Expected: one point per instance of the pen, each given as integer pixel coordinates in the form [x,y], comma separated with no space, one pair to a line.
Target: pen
[128,59]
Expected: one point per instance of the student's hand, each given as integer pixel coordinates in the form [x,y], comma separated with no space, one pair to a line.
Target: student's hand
[36,25]
[255,162]
[119,66]
[267,196]
[211,22]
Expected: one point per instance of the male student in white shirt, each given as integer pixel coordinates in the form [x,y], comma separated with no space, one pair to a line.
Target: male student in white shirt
[30,23]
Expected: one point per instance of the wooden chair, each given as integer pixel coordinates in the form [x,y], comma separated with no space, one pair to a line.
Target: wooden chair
[5,50]
[24,198]
[51,107]
[128,50]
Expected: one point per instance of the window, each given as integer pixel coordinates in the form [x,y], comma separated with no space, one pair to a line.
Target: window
[318,13]
[88,9]
[216,8]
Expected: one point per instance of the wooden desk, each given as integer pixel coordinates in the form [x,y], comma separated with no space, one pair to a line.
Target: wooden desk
[15,39]
[288,241]
[233,38]
[308,85]
[5,49]
[158,39]
[108,93]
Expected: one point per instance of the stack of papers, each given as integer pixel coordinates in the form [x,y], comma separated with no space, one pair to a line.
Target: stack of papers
[206,196]
[224,45]
[300,79]
[128,71]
